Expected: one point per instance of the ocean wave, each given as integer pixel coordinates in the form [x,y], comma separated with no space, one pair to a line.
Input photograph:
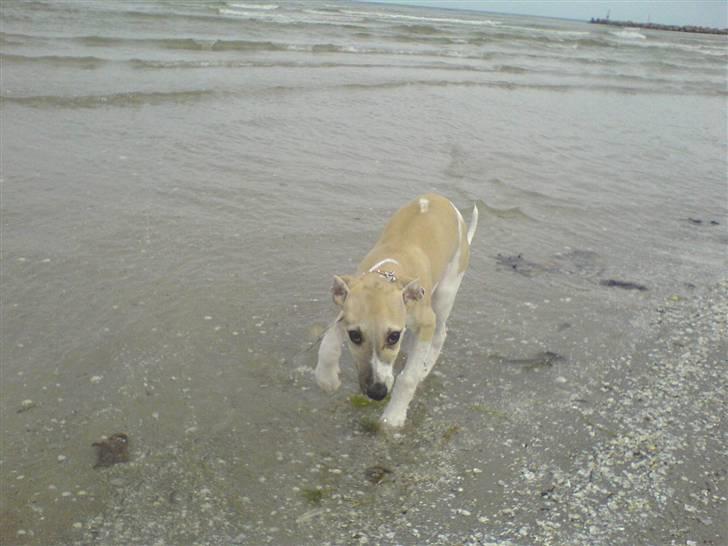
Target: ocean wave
[155,64]
[512,213]
[288,18]
[265,7]
[122,9]
[6,40]
[194,44]
[325,10]
[504,188]
[418,29]
[498,36]
[200,44]
[399,16]
[56,60]
[304,63]
[595,42]
[253,15]
[715,52]
[243,45]
[694,58]
[566,33]
[630,34]
[687,89]
[17,38]
[708,54]
[130,99]
[511,69]
[148,64]
[204,44]
[552,32]
[422,39]
[138,98]
[168,16]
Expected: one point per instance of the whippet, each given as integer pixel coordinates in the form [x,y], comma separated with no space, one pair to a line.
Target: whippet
[408,281]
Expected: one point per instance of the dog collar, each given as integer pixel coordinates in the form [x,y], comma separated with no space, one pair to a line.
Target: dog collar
[391,277]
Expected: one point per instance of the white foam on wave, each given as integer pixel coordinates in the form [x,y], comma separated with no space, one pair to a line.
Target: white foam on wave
[422,19]
[629,34]
[550,31]
[266,7]
[701,49]
[236,13]
[686,48]
[274,17]
[262,15]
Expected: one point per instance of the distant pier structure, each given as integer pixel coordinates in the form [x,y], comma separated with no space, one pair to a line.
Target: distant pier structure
[656,26]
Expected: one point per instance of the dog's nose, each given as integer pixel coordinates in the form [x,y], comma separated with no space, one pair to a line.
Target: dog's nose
[377,391]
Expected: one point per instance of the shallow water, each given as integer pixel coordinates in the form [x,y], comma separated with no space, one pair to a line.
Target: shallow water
[181,181]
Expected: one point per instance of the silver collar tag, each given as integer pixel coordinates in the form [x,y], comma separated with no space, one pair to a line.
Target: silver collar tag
[391,277]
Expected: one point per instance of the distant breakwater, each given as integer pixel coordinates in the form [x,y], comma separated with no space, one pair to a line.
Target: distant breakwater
[655,26]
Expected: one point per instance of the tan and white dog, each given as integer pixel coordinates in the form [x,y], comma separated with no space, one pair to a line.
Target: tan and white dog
[407,282]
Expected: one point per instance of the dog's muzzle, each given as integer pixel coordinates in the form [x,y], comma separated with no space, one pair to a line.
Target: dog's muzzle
[377,391]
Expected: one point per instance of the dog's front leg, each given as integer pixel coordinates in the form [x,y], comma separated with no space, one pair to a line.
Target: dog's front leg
[417,367]
[327,369]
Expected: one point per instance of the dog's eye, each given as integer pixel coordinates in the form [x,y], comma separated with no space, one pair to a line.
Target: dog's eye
[355,337]
[393,338]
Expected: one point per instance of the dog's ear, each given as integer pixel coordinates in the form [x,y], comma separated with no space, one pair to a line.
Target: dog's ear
[340,289]
[413,292]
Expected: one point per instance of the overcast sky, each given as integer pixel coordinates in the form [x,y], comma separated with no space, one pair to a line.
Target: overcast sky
[712,13]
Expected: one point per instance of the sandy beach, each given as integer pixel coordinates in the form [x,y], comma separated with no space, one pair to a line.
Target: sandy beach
[635,454]
[180,181]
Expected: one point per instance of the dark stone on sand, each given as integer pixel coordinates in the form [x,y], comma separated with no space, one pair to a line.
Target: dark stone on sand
[112,450]
[700,222]
[623,284]
[580,263]
[542,359]
[376,473]
[519,264]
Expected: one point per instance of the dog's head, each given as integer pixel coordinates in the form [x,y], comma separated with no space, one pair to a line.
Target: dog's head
[373,316]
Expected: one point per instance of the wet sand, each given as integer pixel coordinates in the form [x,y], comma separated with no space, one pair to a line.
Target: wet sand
[632,454]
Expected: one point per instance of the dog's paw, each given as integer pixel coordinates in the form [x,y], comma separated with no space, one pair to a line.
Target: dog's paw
[392,420]
[327,381]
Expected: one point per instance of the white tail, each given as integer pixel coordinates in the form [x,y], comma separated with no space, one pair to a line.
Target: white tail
[473,223]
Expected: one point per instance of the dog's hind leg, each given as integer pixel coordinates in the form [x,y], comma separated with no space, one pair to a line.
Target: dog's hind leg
[442,303]
[327,369]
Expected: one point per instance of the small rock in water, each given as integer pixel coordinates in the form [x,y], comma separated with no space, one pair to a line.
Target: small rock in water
[376,473]
[25,405]
[623,284]
[112,450]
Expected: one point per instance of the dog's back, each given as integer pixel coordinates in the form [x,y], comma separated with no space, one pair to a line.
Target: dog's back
[424,234]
